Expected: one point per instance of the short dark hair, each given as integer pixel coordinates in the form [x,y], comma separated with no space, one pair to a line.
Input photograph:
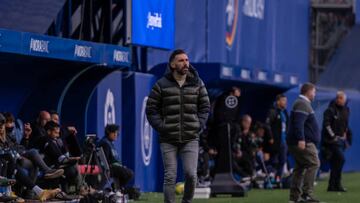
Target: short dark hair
[9,117]
[110,128]
[175,53]
[279,96]
[306,88]
[53,112]
[234,88]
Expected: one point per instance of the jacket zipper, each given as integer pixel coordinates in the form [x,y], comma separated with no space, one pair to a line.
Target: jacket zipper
[181,114]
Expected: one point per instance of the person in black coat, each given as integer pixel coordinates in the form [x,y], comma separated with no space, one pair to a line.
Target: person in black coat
[11,166]
[336,137]
[243,151]
[227,107]
[68,134]
[277,120]
[226,118]
[58,156]
[117,170]
[38,136]
[177,108]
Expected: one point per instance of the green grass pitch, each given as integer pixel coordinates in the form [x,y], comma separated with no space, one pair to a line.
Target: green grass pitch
[350,180]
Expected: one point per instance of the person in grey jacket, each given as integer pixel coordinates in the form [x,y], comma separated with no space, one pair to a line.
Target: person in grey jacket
[177,108]
[303,136]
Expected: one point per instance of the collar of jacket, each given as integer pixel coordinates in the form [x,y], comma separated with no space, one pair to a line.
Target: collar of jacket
[106,139]
[305,98]
[333,104]
[276,108]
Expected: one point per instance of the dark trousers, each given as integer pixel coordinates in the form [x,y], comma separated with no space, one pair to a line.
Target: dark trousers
[337,161]
[244,166]
[279,159]
[121,173]
[31,169]
[36,159]
[11,168]
[22,178]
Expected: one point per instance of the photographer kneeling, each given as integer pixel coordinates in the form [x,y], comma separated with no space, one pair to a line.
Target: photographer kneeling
[117,170]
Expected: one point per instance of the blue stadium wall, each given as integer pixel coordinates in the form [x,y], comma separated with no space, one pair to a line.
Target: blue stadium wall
[271,38]
[247,45]
[276,41]
[357,12]
[271,35]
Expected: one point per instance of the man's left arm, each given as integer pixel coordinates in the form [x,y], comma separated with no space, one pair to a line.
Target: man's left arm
[203,105]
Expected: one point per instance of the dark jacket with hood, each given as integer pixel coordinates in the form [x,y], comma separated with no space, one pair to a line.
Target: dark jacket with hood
[177,113]
[336,123]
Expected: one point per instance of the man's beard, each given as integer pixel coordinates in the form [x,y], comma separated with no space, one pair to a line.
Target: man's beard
[182,71]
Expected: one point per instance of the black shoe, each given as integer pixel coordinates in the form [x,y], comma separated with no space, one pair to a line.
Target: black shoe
[298,200]
[331,189]
[337,189]
[309,199]
[65,197]
[342,189]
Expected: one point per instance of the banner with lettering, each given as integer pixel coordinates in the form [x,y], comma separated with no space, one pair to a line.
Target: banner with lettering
[152,23]
[65,49]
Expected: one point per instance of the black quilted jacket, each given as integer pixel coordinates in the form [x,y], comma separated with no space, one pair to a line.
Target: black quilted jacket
[179,114]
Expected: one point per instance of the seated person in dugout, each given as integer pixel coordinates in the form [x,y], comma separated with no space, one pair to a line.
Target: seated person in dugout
[68,134]
[29,158]
[242,155]
[58,156]
[38,134]
[260,142]
[11,166]
[122,174]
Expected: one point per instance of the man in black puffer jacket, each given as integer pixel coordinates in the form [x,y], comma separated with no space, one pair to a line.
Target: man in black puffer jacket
[336,137]
[177,108]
